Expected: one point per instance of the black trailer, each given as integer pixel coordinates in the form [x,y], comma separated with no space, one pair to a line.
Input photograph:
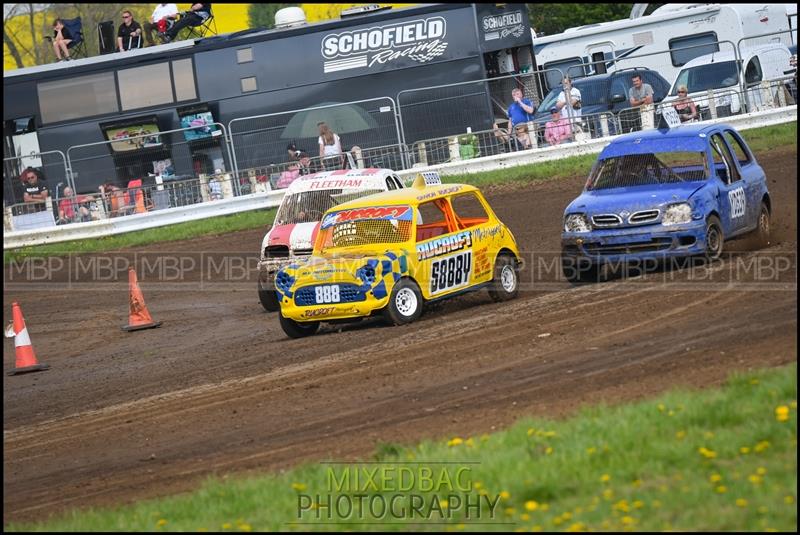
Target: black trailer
[253,72]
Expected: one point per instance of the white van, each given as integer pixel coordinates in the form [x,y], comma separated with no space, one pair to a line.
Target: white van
[722,73]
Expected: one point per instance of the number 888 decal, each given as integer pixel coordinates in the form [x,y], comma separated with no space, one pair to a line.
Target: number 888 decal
[738,202]
[451,272]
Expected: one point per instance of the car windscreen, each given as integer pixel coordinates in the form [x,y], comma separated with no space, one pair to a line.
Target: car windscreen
[647,169]
[308,206]
[593,92]
[365,226]
[705,77]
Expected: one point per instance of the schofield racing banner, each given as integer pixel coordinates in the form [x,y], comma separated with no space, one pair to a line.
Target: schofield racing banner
[503,27]
[420,40]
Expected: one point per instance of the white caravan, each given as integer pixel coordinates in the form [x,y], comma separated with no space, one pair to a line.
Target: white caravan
[671,28]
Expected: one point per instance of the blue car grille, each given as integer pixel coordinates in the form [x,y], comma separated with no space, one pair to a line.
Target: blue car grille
[348,293]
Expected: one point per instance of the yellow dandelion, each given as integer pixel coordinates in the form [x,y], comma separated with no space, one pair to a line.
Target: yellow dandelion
[605,478]
[788,500]
[628,520]
[621,505]
[524,517]
[485,437]
[591,450]
[661,407]
[505,494]
[226,525]
[567,515]
[741,502]
[638,504]
[656,504]
[470,443]
[608,494]
[460,526]
[753,381]
[455,441]
[531,431]
[722,489]
[793,404]
[637,483]
[537,527]
[548,450]
[761,446]
[443,504]
[483,492]
[576,527]
[510,511]
[744,450]
[557,521]
[782,413]
[707,453]
[754,479]
[161,522]
[761,470]
[549,434]
[531,505]
[299,487]
[680,435]
[477,485]
[715,478]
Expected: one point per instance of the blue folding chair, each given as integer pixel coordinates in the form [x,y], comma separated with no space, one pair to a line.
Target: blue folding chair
[77,48]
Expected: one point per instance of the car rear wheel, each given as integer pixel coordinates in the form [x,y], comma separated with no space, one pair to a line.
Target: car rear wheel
[505,284]
[405,303]
[714,238]
[294,329]
[763,229]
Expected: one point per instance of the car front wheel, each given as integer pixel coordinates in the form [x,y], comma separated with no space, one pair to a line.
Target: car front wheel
[714,238]
[268,299]
[294,329]
[405,303]
[505,284]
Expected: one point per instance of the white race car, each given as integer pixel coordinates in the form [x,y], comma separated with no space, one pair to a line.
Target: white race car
[297,221]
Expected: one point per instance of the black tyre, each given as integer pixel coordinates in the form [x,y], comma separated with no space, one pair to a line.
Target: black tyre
[268,299]
[505,284]
[579,271]
[405,303]
[714,238]
[295,329]
[763,229]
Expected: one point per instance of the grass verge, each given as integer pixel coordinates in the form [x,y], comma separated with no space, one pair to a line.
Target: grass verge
[759,139]
[719,459]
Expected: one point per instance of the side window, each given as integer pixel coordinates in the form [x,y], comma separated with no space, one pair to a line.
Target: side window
[468,210]
[738,148]
[723,162]
[432,220]
[619,87]
[390,184]
[686,48]
[752,74]
[398,182]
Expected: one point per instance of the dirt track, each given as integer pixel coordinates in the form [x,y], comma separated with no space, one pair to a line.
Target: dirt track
[220,388]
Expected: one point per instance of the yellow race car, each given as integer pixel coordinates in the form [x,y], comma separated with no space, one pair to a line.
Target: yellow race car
[393,252]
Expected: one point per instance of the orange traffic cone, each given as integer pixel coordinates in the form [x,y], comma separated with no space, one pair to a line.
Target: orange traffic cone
[139,316]
[26,358]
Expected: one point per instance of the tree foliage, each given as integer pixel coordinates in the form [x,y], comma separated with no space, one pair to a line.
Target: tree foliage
[555,18]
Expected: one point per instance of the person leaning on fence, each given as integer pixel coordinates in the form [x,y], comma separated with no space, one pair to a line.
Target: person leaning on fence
[521,140]
[685,106]
[557,129]
[330,148]
[196,15]
[164,15]
[35,190]
[61,40]
[129,35]
[214,188]
[521,110]
[640,94]
[72,209]
[571,107]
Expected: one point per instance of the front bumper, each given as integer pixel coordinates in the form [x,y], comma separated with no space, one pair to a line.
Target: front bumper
[601,246]
[357,302]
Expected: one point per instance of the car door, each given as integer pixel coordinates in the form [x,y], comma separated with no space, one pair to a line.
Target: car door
[753,177]
[731,198]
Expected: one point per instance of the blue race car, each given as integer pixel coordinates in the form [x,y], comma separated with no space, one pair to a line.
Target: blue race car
[665,193]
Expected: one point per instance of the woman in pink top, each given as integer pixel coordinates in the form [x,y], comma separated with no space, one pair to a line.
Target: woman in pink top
[557,130]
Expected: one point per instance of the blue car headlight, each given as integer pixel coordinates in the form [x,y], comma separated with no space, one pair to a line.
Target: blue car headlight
[676,214]
[576,223]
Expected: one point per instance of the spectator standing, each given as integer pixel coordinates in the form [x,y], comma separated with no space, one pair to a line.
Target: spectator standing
[160,20]
[129,34]
[196,15]
[557,129]
[640,94]
[71,209]
[569,107]
[521,110]
[214,188]
[685,106]
[330,148]
[35,190]
[61,40]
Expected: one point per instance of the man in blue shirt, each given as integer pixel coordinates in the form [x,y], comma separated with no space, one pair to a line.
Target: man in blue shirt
[521,110]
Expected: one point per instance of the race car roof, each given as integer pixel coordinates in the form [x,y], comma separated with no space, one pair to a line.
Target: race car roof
[410,196]
[371,178]
[689,138]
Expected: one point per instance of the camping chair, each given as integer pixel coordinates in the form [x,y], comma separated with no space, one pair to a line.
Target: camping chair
[207,27]
[77,48]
